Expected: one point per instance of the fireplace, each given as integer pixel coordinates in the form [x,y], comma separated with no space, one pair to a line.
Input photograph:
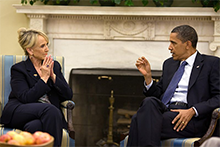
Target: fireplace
[92,89]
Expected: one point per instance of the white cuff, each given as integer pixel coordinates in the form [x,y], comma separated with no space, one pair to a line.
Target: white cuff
[197,114]
[149,85]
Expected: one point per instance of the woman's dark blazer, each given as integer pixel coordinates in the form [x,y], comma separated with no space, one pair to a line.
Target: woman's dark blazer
[27,87]
[203,90]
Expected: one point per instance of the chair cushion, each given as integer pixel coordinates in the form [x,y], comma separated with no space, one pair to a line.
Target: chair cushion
[179,142]
[6,61]
[174,142]
[66,140]
[124,142]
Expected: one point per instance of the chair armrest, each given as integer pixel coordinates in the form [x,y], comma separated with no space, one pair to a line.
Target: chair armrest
[69,105]
[68,102]
[211,129]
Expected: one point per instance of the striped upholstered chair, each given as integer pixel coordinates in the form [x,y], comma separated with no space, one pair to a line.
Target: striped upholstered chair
[6,61]
[188,142]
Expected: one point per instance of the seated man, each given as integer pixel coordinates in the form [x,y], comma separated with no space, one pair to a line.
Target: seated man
[181,103]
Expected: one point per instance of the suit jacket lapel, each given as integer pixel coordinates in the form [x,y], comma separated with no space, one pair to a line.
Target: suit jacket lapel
[31,70]
[198,64]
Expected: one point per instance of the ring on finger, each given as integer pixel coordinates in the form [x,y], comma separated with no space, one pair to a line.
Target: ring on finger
[183,122]
[47,66]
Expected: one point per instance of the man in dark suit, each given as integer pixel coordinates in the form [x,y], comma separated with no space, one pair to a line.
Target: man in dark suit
[187,113]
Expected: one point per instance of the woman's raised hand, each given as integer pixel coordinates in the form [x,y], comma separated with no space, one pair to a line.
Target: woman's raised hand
[46,68]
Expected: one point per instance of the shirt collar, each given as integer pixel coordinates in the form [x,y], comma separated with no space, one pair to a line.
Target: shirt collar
[190,60]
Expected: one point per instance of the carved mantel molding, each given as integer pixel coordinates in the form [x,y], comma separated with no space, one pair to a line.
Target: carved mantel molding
[215,44]
[122,23]
[114,11]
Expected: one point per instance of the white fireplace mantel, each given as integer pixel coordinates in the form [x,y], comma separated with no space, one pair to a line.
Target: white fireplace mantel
[122,11]
[79,32]
[39,14]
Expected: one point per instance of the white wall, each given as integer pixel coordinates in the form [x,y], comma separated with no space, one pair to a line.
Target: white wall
[10,22]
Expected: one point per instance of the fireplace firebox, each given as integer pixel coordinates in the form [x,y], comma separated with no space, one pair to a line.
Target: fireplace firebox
[92,89]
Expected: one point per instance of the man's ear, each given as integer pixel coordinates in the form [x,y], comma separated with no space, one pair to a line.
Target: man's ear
[188,44]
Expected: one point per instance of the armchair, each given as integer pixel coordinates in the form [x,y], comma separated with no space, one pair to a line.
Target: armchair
[6,61]
[188,142]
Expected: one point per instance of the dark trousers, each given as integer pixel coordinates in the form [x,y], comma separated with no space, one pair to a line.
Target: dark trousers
[44,117]
[152,122]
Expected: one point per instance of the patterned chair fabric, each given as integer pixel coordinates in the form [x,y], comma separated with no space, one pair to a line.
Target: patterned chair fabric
[6,61]
[174,142]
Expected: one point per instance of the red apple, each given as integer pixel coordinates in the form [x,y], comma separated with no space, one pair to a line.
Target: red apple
[5,138]
[37,134]
[41,137]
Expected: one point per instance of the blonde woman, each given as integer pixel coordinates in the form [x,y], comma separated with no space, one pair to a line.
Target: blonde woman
[38,88]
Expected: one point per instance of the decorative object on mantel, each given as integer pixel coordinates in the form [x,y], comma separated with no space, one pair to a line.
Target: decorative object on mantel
[126,2]
[31,2]
[163,3]
[107,3]
[55,2]
[209,3]
[61,2]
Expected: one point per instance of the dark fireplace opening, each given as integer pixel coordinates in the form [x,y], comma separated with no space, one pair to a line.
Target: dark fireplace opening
[92,90]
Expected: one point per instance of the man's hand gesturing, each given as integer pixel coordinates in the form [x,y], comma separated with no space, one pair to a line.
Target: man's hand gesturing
[144,67]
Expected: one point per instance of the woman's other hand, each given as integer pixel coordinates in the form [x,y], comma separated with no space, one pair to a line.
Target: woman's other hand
[52,75]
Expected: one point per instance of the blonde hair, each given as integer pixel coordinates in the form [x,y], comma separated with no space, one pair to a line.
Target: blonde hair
[27,38]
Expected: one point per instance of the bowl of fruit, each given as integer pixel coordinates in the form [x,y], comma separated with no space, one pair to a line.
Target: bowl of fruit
[26,139]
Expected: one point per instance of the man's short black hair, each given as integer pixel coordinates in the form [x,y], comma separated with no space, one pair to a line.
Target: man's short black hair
[185,33]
